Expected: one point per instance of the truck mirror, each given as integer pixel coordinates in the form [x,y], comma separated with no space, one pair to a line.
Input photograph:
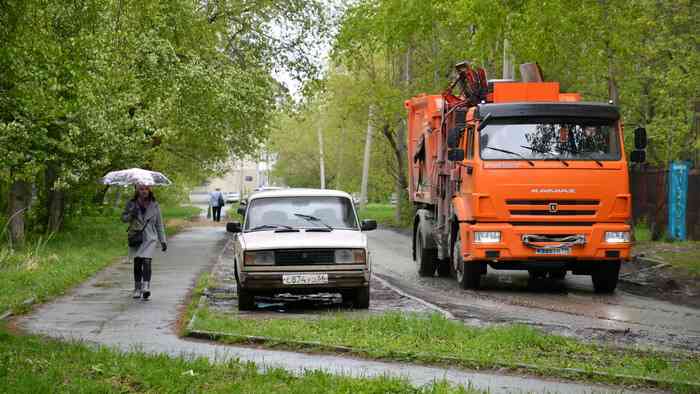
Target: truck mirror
[638,156]
[453,138]
[455,154]
[640,138]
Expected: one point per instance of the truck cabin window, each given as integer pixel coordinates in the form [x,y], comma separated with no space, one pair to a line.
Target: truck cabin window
[549,139]
[301,213]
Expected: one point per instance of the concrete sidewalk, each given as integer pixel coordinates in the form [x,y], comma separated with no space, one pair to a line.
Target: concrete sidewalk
[101,311]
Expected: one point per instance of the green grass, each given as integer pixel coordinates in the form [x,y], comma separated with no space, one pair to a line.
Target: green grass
[684,256]
[383,213]
[30,364]
[642,232]
[409,337]
[49,265]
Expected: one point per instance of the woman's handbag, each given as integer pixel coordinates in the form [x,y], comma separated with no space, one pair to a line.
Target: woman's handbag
[135,238]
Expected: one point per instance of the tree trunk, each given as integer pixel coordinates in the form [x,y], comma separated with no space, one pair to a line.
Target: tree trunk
[20,193]
[320,153]
[368,153]
[401,181]
[55,202]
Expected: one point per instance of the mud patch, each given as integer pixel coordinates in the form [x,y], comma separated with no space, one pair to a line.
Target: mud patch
[654,277]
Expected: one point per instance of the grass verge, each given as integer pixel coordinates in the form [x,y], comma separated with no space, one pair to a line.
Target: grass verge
[384,214]
[684,256]
[30,364]
[434,339]
[51,264]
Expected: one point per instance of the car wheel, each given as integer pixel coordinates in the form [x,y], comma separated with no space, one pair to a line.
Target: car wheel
[468,273]
[361,298]
[605,277]
[425,258]
[246,300]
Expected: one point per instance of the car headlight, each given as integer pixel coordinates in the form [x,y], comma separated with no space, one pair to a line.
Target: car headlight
[616,237]
[260,258]
[350,256]
[483,237]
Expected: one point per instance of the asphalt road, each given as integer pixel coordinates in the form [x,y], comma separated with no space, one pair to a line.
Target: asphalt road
[568,307]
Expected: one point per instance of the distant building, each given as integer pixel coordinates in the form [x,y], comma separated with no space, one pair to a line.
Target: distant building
[244,176]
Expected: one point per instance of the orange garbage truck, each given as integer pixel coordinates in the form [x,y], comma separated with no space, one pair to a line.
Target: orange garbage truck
[517,175]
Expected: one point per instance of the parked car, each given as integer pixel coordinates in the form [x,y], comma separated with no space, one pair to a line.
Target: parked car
[232,197]
[301,241]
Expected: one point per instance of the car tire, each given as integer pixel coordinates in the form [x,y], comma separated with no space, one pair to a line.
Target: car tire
[361,298]
[246,300]
[468,273]
[425,258]
[605,277]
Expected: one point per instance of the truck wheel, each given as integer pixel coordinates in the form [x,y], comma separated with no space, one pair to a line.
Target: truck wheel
[468,274]
[605,277]
[557,274]
[361,298]
[246,300]
[425,258]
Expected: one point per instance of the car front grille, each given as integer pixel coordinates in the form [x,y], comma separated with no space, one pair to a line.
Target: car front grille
[304,256]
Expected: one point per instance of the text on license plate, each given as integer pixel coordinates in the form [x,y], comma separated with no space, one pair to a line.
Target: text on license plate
[304,279]
[553,251]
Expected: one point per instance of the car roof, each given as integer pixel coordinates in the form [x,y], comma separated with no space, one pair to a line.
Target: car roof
[298,192]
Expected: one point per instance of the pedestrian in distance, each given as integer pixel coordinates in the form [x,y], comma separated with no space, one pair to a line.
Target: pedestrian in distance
[146,231]
[216,202]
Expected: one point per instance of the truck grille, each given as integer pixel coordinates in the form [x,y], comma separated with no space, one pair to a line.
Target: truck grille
[304,256]
[553,207]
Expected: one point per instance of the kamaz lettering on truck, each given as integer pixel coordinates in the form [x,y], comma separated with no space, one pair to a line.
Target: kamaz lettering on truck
[518,176]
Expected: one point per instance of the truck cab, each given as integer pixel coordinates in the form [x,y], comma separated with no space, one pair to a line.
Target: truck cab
[529,179]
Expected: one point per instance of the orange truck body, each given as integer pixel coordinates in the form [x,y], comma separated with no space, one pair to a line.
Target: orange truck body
[552,216]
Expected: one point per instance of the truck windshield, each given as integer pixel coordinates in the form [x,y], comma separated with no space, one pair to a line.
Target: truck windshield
[549,139]
[301,212]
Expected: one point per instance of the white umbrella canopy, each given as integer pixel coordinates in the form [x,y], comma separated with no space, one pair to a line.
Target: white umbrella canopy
[134,176]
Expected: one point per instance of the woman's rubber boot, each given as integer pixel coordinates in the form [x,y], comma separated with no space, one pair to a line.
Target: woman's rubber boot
[146,290]
[137,290]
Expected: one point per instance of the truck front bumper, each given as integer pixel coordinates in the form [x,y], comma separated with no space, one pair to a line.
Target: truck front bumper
[512,248]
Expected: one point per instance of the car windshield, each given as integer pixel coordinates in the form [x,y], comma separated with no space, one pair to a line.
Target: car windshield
[301,212]
[549,139]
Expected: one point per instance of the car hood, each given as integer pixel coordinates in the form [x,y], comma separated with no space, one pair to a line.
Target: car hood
[264,240]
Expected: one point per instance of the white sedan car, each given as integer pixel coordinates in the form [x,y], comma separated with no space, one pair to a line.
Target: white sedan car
[301,241]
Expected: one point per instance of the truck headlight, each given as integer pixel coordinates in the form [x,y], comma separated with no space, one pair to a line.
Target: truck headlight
[487,237]
[350,256]
[260,258]
[616,237]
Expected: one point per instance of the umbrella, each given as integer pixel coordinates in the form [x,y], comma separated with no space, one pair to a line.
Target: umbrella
[135,176]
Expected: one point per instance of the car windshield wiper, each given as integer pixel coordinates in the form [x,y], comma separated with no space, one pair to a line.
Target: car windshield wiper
[554,157]
[512,153]
[282,227]
[313,219]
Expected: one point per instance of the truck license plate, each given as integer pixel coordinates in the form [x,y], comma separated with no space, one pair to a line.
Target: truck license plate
[554,251]
[304,279]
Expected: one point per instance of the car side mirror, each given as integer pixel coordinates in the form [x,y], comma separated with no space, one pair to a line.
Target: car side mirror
[455,154]
[233,227]
[640,138]
[638,156]
[368,225]
[241,210]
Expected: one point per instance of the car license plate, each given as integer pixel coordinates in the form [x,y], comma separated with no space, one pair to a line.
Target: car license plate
[553,251]
[304,279]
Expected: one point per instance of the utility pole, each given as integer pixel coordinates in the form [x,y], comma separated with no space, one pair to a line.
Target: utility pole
[365,164]
[320,151]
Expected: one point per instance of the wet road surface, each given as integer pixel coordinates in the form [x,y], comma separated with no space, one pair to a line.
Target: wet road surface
[101,311]
[568,307]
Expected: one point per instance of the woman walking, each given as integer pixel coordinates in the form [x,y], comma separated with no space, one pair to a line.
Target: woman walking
[145,232]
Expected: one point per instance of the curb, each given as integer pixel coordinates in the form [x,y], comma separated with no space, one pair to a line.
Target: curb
[434,359]
[475,364]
